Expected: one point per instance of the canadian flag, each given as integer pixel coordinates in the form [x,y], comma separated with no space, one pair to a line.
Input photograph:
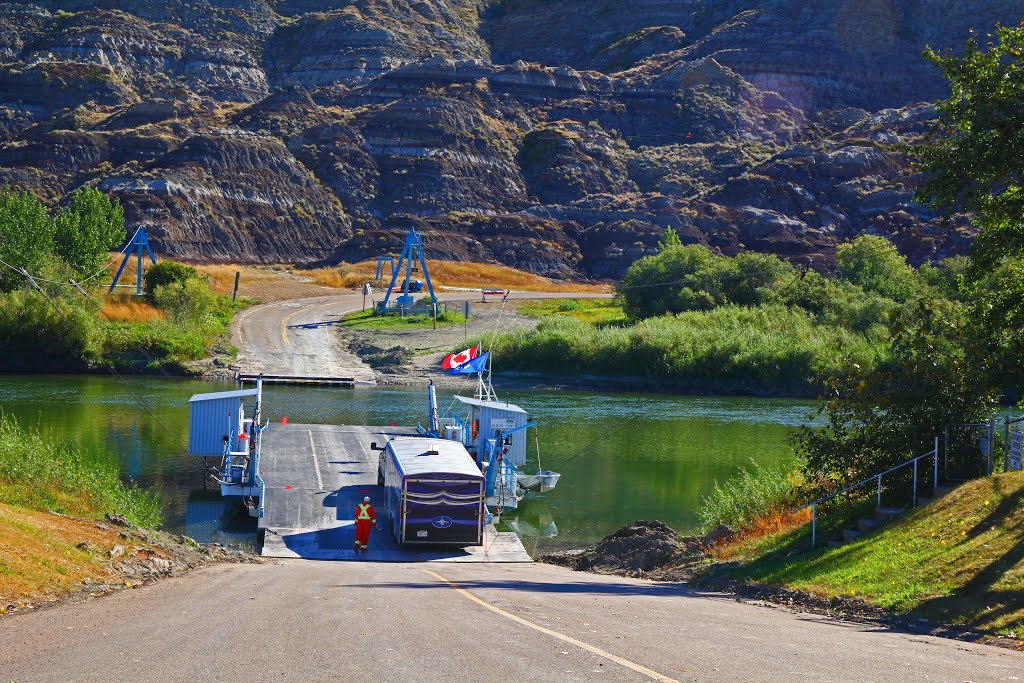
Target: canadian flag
[454,360]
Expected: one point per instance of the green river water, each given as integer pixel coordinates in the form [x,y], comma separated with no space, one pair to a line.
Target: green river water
[622,456]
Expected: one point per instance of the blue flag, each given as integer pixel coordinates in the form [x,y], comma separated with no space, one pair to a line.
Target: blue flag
[478,364]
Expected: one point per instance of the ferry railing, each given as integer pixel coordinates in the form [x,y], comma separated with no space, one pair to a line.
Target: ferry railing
[875,478]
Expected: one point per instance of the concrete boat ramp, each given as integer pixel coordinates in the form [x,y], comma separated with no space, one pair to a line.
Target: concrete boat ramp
[316,475]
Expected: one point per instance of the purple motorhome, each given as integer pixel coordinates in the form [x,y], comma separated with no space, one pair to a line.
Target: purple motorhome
[434,491]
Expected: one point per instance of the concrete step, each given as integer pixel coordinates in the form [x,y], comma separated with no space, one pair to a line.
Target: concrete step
[834,543]
[923,500]
[850,534]
[942,490]
[882,514]
[868,524]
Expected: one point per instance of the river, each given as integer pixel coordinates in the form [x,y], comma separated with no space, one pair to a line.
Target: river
[622,456]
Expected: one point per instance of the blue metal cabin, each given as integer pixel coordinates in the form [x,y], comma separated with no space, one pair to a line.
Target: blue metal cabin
[434,492]
[487,419]
[218,428]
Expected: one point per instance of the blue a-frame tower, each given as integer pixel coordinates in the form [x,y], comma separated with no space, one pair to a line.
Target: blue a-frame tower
[413,249]
[140,242]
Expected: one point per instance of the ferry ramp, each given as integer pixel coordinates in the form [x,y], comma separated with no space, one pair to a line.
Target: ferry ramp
[315,477]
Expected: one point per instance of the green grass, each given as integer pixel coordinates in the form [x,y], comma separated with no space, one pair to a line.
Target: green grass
[41,473]
[366,320]
[771,349]
[66,333]
[959,559]
[756,491]
[594,311]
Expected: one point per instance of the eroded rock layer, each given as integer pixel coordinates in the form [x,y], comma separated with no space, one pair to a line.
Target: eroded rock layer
[560,137]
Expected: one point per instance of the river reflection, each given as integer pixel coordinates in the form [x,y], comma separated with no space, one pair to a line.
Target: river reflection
[622,456]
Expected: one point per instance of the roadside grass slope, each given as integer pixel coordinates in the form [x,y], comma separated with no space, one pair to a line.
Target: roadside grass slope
[957,560]
[43,555]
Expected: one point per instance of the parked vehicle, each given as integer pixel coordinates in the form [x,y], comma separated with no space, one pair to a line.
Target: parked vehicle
[434,491]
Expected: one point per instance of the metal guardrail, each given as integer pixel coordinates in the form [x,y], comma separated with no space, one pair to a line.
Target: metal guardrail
[421,309]
[877,477]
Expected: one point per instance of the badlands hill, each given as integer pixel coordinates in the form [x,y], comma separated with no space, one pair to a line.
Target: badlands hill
[557,136]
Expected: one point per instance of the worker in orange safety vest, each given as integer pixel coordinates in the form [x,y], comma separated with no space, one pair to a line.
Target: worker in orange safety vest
[364,518]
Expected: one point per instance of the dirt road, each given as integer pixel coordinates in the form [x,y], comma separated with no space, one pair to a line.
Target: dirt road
[299,337]
[312,621]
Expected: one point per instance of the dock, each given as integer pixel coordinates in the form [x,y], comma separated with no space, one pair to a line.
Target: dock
[350,382]
[315,475]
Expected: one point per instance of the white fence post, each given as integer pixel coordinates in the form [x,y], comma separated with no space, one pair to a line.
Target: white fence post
[814,524]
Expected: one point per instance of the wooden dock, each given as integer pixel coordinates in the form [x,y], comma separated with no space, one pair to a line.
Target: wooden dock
[316,475]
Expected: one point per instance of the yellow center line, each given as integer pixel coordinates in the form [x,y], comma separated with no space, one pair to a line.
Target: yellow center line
[621,661]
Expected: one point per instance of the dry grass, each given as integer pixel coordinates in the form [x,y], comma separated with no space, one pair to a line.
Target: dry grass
[263,283]
[452,274]
[280,282]
[769,524]
[40,558]
[335,278]
[125,309]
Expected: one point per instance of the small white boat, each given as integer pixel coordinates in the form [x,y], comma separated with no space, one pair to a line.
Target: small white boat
[545,480]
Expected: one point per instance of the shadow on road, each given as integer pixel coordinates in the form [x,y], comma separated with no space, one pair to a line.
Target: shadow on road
[560,587]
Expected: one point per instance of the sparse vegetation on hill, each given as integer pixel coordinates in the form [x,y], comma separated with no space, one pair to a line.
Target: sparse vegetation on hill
[957,560]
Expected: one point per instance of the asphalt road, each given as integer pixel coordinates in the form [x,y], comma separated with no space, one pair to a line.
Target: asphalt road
[296,337]
[312,621]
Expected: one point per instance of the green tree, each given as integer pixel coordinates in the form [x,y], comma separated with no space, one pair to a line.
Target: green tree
[973,161]
[879,418]
[87,229]
[671,240]
[876,265]
[26,236]
[679,278]
[974,156]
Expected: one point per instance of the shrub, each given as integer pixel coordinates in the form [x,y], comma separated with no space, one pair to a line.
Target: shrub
[754,492]
[185,301]
[769,349]
[875,264]
[166,273]
[39,334]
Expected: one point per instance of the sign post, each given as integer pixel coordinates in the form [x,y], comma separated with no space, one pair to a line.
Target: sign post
[366,292]
[1015,449]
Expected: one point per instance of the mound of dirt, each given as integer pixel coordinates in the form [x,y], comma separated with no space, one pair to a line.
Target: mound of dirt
[646,549]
